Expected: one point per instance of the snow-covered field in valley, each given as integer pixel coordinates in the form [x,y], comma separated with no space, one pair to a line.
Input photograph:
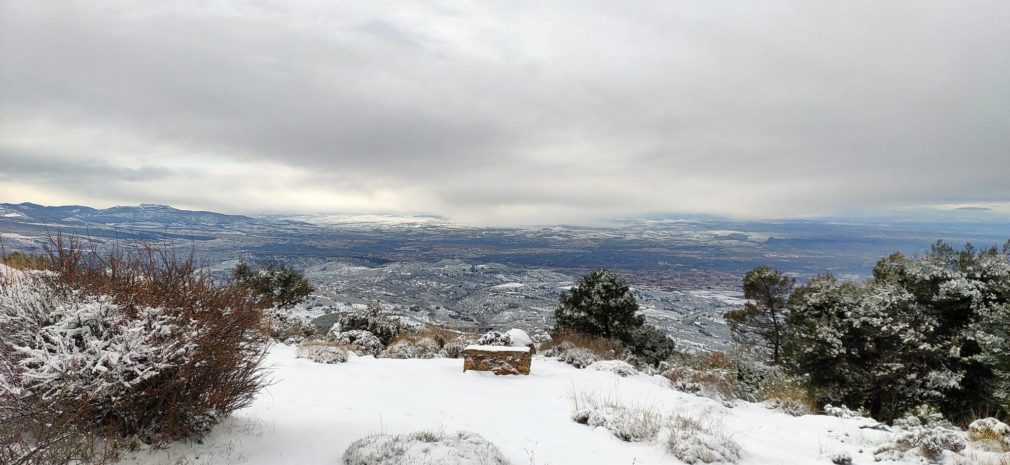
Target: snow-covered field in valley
[313,412]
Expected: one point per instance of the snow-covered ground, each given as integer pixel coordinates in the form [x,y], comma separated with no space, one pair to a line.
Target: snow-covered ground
[313,412]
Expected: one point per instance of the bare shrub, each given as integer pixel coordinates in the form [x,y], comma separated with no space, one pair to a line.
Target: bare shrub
[692,440]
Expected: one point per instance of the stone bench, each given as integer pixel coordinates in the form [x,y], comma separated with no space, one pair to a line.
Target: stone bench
[498,359]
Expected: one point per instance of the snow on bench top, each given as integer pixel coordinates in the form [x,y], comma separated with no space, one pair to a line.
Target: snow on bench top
[497,348]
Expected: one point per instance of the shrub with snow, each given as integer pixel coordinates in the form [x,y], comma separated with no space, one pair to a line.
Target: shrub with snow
[494,338]
[359,340]
[152,349]
[930,442]
[89,347]
[626,422]
[841,458]
[425,347]
[617,367]
[370,319]
[289,328]
[454,348]
[322,352]
[519,338]
[578,357]
[424,448]
[693,441]
[842,412]
[712,383]
[991,433]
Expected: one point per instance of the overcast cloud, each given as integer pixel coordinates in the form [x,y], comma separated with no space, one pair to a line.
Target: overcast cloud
[508,112]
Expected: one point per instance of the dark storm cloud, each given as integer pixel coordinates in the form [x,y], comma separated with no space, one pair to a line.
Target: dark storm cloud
[510,112]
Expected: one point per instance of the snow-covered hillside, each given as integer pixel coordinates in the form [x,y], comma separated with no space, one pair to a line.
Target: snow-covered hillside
[314,411]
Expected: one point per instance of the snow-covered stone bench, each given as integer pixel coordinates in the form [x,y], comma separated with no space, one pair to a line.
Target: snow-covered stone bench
[500,360]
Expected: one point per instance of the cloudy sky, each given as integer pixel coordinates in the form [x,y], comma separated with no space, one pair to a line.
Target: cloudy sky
[492,112]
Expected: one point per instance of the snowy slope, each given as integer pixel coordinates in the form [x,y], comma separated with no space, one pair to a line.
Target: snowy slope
[313,412]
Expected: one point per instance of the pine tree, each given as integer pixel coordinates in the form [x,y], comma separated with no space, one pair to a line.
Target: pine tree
[762,319]
[600,304]
[277,285]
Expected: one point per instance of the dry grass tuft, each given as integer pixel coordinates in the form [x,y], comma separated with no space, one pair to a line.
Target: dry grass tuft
[602,348]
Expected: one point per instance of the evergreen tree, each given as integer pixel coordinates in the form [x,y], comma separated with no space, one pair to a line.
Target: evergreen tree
[762,319]
[930,330]
[600,304]
[278,285]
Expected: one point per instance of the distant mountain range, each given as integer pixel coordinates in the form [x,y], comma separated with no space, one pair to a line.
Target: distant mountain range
[686,270]
[142,214]
[698,250]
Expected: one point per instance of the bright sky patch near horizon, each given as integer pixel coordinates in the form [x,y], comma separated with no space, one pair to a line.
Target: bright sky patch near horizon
[509,112]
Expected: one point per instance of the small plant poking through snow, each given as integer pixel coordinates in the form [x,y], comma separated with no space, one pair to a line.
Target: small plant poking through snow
[694,441]
[322,352]
[626,422]
[424,448]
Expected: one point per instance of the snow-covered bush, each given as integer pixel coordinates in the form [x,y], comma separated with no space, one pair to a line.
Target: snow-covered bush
[693,441]
[626,422]
[494,338]
[841,458]
[370,319]
[424,448]
[425,347]
[994,434]
[322,352]
[520,338]
[455,347]
[617,367]
[925,329]
[288,328]
[578,357]
[540,337]
[930,442]
[842,412]
[713,383]
[359,340]
[143,346]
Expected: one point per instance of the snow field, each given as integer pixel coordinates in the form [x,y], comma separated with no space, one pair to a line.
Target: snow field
[313,412]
